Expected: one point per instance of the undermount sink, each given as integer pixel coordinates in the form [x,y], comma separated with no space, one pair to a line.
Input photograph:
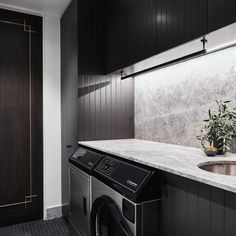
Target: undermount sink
[220,167]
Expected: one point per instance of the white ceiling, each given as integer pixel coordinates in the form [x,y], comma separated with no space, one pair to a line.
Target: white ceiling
[55,7]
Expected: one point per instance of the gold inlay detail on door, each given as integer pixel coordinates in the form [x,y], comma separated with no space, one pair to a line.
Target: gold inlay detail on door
[28,29]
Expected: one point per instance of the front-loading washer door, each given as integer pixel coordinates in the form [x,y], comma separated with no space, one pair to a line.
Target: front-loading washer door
[107,220]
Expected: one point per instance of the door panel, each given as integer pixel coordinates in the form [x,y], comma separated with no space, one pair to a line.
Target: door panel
[180,21]
[20,117]
[117,34]
[79,200]
[131,32]
[141,30]
[221,13]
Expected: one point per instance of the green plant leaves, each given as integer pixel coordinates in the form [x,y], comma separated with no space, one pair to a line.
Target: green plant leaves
[209,112]
[220,127]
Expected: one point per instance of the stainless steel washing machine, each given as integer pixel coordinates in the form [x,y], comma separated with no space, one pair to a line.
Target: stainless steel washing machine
[126,199]
[82,163]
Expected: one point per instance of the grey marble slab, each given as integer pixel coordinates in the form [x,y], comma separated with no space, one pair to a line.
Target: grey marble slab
[179,160]
[171,103]
[53,213]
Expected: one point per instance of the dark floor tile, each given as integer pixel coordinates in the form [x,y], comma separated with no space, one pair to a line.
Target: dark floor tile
[56,227]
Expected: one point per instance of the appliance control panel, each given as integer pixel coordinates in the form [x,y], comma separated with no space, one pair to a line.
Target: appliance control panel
[122,173]
[108,166]
[85,159]
[80,152]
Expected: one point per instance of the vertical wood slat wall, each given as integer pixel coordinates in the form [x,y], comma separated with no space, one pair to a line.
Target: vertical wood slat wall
[193,208]
[106,107]
[105,103]
[94,106]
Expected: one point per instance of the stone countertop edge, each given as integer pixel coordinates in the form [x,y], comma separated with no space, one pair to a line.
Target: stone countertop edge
[175,159]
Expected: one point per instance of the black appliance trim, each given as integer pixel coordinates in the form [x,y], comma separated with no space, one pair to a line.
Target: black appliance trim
[151,189]
[99,171]
[77,163]
[103,153]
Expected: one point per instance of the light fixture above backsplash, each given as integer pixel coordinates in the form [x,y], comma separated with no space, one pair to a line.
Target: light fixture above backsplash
[215,41]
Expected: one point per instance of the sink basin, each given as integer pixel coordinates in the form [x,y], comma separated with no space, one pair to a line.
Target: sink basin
[220,167]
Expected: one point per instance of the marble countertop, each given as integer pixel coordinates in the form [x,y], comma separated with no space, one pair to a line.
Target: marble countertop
[175,159]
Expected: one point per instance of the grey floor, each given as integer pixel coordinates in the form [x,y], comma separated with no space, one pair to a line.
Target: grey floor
[56,227]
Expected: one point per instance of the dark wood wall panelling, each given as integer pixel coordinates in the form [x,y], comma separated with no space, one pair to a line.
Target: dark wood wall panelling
[196,209]
[180,21]
[117,33]
[131,32]
[99,37]
[106,108]
[94,106]
[221,13]
[69,93]
[138,29]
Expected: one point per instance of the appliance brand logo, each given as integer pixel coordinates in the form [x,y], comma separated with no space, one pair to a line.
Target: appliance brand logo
[133,184]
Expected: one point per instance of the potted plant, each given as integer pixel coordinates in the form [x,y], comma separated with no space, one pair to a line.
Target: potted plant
[219,129]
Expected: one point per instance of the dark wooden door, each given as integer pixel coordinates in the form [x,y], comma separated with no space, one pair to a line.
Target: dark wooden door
[21,155]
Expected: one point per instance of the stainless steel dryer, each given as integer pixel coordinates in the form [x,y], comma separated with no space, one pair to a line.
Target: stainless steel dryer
[82,163]
[125,199]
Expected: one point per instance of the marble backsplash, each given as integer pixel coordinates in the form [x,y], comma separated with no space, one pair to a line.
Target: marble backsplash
[171,103]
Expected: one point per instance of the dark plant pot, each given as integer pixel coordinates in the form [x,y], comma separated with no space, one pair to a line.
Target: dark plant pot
[219,145]
[210,153]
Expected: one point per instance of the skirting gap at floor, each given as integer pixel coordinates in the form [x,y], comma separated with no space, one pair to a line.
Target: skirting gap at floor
[56,227]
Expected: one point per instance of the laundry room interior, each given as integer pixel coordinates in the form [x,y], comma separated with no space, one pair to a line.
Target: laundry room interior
[118,117]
